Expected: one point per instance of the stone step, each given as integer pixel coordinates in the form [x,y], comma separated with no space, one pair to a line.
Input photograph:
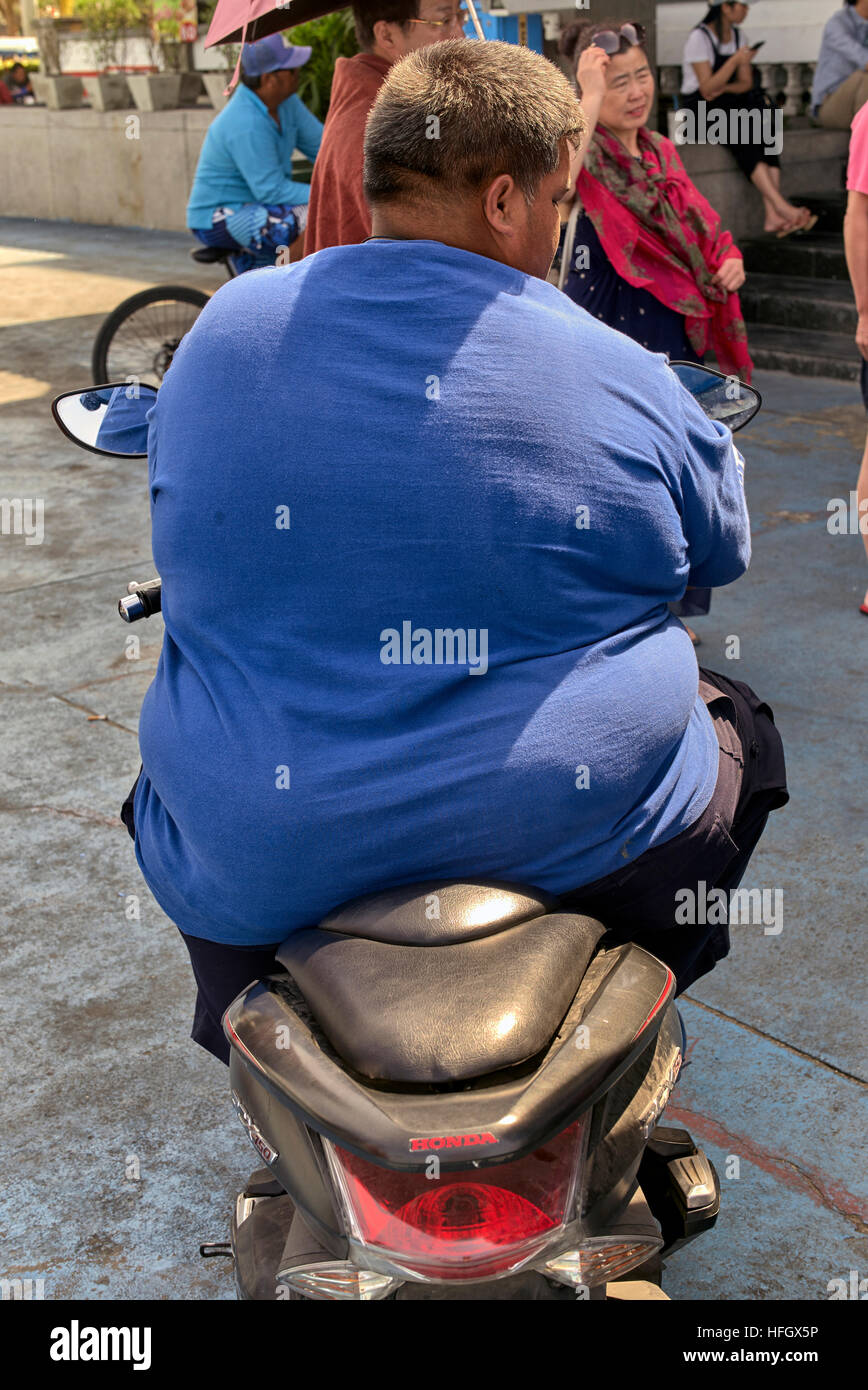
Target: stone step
[830,209]
[804,352]
[799,303]
[811,256]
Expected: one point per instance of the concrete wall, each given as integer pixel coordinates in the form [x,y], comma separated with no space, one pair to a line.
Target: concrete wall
[77,55]
[812,164]
[81,165]
[792,29]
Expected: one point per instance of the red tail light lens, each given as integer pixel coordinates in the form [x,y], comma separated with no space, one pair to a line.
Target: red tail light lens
[466,1223]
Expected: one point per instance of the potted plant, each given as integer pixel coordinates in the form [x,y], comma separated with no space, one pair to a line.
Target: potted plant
[108,23]
[161,90]
[217,80]
[50,86]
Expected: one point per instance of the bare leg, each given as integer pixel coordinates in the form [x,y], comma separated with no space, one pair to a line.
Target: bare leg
[775,175]
[779,212]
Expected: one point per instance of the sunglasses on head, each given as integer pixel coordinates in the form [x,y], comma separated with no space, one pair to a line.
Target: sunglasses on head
[610,40]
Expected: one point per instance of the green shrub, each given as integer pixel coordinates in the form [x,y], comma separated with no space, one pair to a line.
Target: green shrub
[331,37]
[108,22]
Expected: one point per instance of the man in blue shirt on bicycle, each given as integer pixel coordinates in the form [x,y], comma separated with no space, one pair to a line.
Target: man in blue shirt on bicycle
[244,196]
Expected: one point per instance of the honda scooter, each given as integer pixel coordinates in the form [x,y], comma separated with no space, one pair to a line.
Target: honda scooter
[455,1089]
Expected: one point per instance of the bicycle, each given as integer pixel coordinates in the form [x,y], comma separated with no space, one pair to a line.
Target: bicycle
[140,337]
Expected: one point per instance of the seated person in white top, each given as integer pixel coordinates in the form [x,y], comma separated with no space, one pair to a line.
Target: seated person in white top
[717,71]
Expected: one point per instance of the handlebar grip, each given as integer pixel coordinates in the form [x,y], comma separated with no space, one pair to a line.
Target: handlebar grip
[143,602]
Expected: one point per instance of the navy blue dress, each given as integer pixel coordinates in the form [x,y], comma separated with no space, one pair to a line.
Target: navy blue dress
[636,312]
[602,292]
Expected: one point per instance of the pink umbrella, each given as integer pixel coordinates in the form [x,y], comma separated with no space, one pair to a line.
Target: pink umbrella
[244,21]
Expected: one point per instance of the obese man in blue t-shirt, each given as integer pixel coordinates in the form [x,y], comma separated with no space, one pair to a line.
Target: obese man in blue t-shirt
[419,520]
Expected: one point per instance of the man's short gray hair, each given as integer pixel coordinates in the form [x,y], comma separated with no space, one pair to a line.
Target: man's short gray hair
[452,116]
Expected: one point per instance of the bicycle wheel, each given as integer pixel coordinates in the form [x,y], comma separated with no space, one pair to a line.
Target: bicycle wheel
[140,337]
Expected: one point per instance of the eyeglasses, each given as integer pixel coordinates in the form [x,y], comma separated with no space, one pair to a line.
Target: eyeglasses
[610,41]
[459,19]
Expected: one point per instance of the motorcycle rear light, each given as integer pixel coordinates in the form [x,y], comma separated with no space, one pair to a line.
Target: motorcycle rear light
[599,1259]
[469,1223]
[340,1280]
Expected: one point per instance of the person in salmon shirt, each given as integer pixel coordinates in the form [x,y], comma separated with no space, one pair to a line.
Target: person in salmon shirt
[386,30]
[856,246]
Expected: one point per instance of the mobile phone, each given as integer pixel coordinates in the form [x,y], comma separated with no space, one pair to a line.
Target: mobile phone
[755,46]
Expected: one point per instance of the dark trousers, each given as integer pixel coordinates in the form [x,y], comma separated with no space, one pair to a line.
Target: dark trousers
[637,903]
[747,155]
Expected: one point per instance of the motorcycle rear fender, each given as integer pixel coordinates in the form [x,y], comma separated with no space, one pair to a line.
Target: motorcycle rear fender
[298,1166]
[614,1018]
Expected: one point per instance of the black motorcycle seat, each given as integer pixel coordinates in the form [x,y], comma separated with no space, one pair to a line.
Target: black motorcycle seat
[428,1012]
[435,913]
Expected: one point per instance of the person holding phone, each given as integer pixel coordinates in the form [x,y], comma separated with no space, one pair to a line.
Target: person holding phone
[717,71]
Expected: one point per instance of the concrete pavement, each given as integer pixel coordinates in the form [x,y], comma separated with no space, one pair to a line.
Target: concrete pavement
[119,1149]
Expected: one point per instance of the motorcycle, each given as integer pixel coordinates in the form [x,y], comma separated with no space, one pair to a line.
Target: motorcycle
[455,1088]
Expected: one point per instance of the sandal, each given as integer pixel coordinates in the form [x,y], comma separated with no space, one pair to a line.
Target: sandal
[805,226]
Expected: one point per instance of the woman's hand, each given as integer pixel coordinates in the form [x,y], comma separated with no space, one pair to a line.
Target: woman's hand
[591,74]
[730,276]
[742,55]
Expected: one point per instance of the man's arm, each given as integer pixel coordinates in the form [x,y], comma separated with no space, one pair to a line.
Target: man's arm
[713,508]
[837,40]
[856,247]
[308,130]
[257,156]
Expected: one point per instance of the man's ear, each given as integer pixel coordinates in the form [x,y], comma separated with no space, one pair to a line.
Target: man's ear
[500,205]
[383,37]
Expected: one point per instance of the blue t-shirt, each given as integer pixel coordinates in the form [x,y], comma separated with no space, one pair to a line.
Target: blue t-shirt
[418,519]
[247,158]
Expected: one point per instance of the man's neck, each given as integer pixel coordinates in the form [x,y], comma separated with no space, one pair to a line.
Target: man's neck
[392,225]
[377,52]
[271,109]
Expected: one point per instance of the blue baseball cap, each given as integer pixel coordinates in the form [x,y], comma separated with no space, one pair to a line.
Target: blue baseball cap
[271,55]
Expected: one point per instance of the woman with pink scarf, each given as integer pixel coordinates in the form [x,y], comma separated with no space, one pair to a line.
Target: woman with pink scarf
[649,255]
[644,251]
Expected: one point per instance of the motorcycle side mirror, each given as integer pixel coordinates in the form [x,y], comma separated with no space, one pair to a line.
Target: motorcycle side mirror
[109,419]
[722,398]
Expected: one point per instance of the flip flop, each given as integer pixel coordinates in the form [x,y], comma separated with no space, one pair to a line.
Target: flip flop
[863,608]
[799,227]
